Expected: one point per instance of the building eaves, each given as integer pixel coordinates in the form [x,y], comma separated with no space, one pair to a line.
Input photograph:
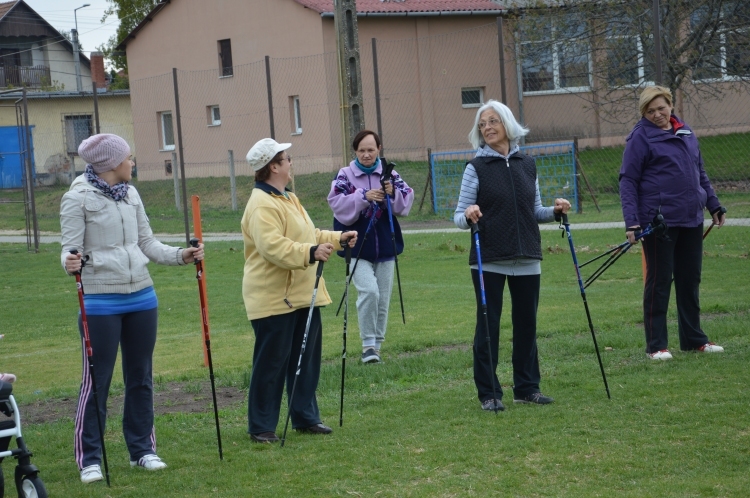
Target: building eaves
[5,95]
[7,7]
[146,20]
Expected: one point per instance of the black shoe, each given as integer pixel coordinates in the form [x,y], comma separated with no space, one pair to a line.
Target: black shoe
[370,356]
[493,405]
[536,399]
[315,429]
[265,437]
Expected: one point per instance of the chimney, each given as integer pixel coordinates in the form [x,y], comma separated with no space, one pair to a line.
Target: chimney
[97,69]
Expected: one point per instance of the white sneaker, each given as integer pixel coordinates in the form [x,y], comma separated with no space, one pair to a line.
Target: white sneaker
[92,473]
[664,354]
[149,462]
[710,347]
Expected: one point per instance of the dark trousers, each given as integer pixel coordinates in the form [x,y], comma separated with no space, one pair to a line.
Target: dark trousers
[524,295]
[680,256]
[135,334]
[278,341]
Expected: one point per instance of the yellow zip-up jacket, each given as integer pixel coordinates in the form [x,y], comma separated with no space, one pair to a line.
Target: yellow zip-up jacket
[278,235]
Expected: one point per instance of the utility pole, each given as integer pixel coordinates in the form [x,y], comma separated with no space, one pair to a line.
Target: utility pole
[350,73]
[77,60]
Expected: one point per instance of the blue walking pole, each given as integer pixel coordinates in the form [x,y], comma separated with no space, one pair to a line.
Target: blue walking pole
[475,233]
[564,218]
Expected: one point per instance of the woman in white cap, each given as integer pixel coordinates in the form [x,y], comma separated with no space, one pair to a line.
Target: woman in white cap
[102,217]
[282,248]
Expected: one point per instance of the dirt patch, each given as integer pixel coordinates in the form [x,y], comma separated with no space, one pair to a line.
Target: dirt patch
[173,397]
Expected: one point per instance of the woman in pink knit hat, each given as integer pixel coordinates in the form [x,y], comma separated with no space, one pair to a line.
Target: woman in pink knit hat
[102,217]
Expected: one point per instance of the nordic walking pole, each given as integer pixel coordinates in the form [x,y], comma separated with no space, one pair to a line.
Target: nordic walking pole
[207,338]
[318,273]
[564,218]
[722,212]
[475,233]
[89,355]
[383,179]
[364,239]
[348,260]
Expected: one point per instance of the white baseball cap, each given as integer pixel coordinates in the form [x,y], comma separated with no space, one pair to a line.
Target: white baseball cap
[263,152]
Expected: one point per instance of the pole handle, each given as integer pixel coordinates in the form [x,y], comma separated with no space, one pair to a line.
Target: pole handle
[563,217]
[474,227]
[195,242]
[83,261]
[319,271]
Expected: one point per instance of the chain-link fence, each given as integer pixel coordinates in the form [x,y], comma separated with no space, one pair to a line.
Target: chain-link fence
[570,75]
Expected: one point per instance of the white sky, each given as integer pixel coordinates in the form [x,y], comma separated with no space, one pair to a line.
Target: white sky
[91,31]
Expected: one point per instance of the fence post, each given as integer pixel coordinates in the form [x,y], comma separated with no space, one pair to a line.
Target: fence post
[576,174]
[377,88]
[232,182]
[501,48]
[270,96]
[519,82]
[97,129]
[29,169]
[182,156]
[657,41]
[176,178]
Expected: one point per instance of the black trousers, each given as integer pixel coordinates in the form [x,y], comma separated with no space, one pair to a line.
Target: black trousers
[681,256]
[135,334]
[524,295]
[278,341]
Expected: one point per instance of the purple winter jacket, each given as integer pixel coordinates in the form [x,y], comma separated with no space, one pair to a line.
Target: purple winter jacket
[663,169]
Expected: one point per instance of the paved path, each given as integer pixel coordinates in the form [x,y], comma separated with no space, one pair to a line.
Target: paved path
[18,236]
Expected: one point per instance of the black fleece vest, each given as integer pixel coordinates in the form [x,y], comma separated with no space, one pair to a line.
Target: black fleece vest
[507,191]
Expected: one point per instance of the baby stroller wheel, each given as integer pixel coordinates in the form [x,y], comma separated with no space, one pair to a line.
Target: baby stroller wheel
[33,487]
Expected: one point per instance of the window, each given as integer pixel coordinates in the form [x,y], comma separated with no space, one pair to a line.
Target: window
[77,129]
[214,116]
[472,97]
[555,54]
[724,55]
[167,167]
[225,58]
[295,115]
[630,59]
[167,130]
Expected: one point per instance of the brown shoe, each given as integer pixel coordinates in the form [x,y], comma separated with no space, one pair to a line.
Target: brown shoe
[316,429]
[265,437]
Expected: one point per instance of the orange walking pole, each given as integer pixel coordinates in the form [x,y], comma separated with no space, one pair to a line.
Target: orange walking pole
[201,276]
[196,204]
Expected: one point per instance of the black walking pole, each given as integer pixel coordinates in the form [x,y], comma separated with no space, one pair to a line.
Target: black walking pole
[207,338]
[318,273]
[348,260]
[89,355]
[388,176]
[564,220]
[475,233]
[364,239]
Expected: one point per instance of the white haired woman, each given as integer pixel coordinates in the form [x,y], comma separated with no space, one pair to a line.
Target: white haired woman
[507,208]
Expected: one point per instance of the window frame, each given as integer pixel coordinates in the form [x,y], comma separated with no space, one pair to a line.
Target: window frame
[70,118]
[163,135]
[295,114]
[557,47]
[481,102]
[212,121]
[641,57]
[723,67]
[226,65]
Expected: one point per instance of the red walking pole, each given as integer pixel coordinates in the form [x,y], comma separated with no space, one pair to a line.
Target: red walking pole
[89,355]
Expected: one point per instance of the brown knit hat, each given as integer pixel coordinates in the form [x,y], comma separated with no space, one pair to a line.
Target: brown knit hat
[104,152]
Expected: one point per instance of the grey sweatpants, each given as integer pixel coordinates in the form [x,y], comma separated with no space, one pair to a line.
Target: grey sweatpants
[374,282]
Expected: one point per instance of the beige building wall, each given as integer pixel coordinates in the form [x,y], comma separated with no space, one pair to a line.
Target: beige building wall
[47,117]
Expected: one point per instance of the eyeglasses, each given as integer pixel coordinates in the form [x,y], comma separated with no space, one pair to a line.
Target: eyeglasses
[288,158]
[492,122]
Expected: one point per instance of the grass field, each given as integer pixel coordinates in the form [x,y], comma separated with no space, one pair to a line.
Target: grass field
[601,166]
[412,425]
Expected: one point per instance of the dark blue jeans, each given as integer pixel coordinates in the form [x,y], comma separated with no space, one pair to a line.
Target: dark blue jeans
[135,334]
[278,341]
[524,295]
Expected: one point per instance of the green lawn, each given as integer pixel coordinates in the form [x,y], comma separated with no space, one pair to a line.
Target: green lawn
[728,171]
[412,425]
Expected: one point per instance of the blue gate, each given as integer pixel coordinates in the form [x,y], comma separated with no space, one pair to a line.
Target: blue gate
[11,157]
[555,166]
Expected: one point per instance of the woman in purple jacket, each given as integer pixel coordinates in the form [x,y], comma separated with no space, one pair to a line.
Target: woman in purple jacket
[662,172]
[357,195]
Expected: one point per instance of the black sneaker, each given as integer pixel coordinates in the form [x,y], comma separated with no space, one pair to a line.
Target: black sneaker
[493,405]
[370,356]
[315,429]
[536,398]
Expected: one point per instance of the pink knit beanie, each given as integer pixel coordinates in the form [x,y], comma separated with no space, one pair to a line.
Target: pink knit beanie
[104,152]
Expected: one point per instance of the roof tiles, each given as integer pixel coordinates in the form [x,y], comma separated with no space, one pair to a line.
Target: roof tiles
[407,6]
